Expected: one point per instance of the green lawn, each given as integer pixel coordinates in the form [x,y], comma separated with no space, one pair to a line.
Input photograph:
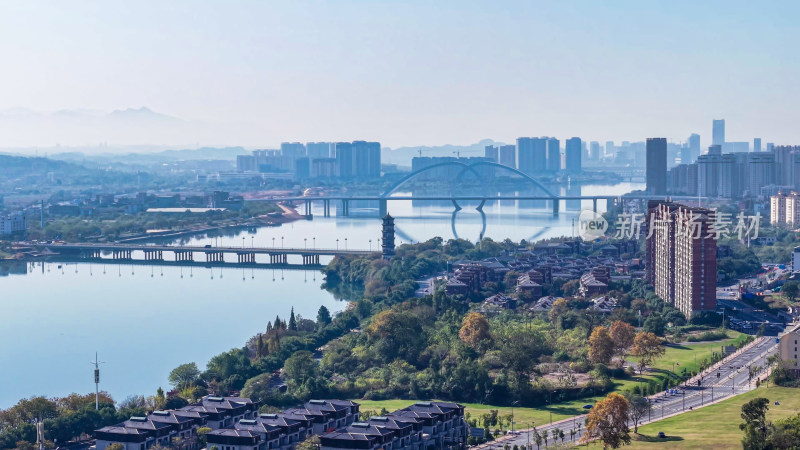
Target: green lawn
[684,355]
[715,426]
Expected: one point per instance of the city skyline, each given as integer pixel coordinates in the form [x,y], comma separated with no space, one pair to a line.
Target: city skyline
[258,74]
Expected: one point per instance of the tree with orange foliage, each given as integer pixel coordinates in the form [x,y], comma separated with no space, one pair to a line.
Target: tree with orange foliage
[622,334]
[474,330]
[601,347]
[608,422]
[647,347]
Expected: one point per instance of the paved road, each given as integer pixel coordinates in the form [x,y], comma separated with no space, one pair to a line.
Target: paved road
[734,379]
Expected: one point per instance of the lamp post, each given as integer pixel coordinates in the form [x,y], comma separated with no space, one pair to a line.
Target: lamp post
[314,242]
[252,242]
[345,243]
[512,415]
[281,242]
[242,242]
[305,243]
[337,243]
[273,241]
[370,245]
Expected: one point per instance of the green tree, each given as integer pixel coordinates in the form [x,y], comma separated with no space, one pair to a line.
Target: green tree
[323,316]
[292,321]
[115,446]
[790,290]
[300,367]
[639,407]
[184,375]
[754,425]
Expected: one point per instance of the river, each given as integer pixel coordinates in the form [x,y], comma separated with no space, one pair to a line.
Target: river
[145,320]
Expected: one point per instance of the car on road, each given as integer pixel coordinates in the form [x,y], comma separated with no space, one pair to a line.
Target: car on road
[588,406]
[661,435]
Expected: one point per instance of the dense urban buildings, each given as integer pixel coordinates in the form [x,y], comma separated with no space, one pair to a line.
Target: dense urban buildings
[656,166]
[355,160]
[573,151]
[718,132]
[682,256]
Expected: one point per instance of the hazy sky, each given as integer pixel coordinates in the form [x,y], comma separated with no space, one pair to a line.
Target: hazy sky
[407,73]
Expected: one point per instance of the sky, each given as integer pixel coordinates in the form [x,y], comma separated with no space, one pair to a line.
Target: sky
[257,73]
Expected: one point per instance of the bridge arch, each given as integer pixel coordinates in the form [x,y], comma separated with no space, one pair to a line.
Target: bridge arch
[403,180]
[467,167]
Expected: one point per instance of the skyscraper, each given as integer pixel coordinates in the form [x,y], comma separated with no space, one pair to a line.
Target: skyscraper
[756,145]
[531,155]
[366,159]
[508,156]
[594,151]
[681,259]
[491,153]
[344,159]
[718,132]
[572,150]
[656,171]
[553,155]
[694,146]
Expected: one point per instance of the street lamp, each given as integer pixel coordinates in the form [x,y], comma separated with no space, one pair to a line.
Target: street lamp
[345,243]
[370,245]
[512,415]
[242,242]
[305,243]
[273,241]
[281,242]
[252,242]
[314,242]
[337,243]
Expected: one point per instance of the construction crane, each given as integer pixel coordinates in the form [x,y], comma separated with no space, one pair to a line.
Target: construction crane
[457,153]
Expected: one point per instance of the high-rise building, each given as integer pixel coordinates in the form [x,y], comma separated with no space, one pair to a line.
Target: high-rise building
[531,155]
[682,256]
[594,151]
[572,151]
[491,153]
[792,210]
[695,261]
[756,145]
[610,149]
[318,150]
[508,156]
[777,209]
[694,146]
[344,159]
[553,155]
[718,132]
[759,172]
[656,171]
[293,150]
[358,159]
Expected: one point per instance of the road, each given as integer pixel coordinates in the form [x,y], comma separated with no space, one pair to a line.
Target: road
[734,379]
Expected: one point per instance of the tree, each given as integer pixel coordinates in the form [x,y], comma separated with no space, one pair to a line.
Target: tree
[115,446]
[184,375]
[639,407]
[647,347]
[622,334]
[323,316]
[654,324]
[474,329]
[300,367]
[790,289]
[754,425]
[292,321]
[260,346]
[608,422]
[557,311]
[601,347]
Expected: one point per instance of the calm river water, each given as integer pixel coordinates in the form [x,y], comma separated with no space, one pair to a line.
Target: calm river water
[143,321]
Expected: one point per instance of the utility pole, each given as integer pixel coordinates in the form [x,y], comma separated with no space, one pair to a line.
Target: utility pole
[96,381]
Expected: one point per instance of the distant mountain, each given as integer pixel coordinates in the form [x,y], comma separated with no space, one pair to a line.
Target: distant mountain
[22,127]
[402,155]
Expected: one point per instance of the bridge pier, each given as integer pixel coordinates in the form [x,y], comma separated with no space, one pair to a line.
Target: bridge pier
[345,208]
[555,207]
[326,208]
[153,255]
[309,260]
[121,254]
[215,257]
[594,204]
[307,207]
[278,258]
[246,257]
[184,255]
[383,207]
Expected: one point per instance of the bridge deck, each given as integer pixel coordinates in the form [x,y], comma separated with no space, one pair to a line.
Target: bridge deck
[203,249]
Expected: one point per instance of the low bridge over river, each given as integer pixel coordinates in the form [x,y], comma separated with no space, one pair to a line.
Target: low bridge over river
[244,256]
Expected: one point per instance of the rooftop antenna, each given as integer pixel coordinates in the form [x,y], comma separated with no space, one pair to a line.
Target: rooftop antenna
[420,152]
[96,381]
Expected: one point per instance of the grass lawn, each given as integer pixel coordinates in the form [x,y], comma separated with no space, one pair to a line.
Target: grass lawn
[715,426]
[682,354]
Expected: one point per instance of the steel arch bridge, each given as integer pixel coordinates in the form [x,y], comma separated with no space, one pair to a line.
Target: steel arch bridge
[467,168]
